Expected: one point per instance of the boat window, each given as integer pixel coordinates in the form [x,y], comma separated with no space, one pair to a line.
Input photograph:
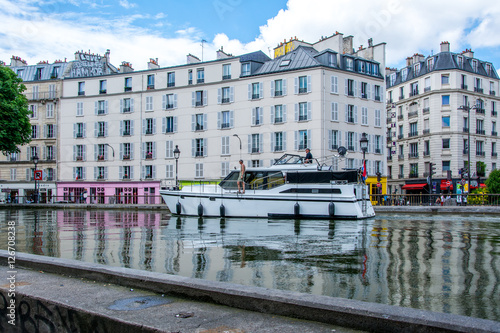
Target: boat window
[230,182]
[313,190]
[275,179]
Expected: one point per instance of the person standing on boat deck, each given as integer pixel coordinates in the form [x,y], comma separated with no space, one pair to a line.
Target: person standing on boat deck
[309,156]
[241,180]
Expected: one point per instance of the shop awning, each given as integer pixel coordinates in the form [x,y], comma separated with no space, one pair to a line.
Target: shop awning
[414,187]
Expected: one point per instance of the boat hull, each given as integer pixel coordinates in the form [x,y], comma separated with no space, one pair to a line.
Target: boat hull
[267,205]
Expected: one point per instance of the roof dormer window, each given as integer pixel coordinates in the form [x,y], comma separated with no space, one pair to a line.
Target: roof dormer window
[285,63]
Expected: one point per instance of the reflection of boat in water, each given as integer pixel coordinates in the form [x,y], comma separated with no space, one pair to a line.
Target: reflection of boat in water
[289,188]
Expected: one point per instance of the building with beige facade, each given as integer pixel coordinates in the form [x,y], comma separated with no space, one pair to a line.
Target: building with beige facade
[441,109]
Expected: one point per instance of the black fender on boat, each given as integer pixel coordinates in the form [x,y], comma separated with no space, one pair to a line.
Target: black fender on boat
[222,210]
[296,209]
[200,210]
[331,209]
[178,208]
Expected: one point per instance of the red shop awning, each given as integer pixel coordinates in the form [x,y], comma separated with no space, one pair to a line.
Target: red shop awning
[414,187]
[445,188]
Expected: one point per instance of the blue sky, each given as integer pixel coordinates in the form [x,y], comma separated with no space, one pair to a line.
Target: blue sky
[135,31]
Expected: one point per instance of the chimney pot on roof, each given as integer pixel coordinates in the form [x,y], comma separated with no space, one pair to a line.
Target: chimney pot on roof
[445,47]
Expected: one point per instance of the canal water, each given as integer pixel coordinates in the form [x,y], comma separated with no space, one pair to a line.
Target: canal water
[443,263]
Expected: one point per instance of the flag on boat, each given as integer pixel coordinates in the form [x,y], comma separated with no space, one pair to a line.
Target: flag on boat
[363,174]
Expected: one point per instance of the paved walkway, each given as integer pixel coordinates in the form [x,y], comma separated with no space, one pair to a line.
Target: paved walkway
[54,295]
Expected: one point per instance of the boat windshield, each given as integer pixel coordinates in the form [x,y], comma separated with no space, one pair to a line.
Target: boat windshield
[255,179]
[293,159]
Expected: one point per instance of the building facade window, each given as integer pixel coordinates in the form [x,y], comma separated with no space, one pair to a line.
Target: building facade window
[150,81]
[226,71]
[200,75]
[171,79]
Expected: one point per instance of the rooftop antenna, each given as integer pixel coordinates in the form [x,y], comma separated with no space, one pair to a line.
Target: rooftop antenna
[202,41]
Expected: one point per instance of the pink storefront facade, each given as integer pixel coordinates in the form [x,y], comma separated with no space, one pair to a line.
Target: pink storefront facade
[140,192]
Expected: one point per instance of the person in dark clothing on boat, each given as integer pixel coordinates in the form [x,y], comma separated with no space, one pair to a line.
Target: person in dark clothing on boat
[309,156]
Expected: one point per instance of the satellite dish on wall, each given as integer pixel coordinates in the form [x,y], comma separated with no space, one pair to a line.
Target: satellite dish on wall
[342,150]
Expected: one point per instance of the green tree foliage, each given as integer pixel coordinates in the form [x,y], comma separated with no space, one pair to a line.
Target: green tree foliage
[15,127]
[493,182]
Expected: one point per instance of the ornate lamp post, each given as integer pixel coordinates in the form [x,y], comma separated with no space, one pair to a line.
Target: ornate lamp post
[363,142]
[177,154]
[35,160]
[467,108]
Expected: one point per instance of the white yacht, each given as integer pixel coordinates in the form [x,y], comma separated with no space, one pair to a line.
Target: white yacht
[289,188]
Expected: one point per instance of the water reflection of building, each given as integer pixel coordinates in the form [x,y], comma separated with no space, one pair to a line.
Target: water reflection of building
[430,264]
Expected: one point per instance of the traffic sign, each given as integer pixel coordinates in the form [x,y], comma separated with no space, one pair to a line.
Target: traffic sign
[38,175]
[379,185]
[448,183]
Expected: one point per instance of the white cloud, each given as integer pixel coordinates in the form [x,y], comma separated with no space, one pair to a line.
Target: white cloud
[127,5]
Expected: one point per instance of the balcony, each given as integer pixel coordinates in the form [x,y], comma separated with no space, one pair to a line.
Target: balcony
[426,89]
[480,111]
[413,155]
[413,175]
[350,148]
[364,95]
[126,133]
[224,125]
[125,177]
[198,127]
[190,81]
[426,131]
[278,120]
[199,153]
[401,117]
[480,131]
[100,158]
[149,131]
[169,106]
[494,113]
[412,114]
[79,158]
[401,176]
[100,177]
[126,157]
[389,158]
[102,91]
[149,156]
[465,130]
[427,153]
[479,90]
[377,98]
[493,133]
[79,135]
[127,89]
[480,153]
[225,100]
[278,93]
[414,93]
[199,103]
[400,136]
[200,81]
[465,151]
[226,77]
[278,148]
[302,90]
[401,157]
[492,92]
[349,120]
[350,92]
[412,134]
[148,177]
[390,101]
[378,151]
[494,154]
[101,111]
[401,97]
[171,84]
[256,149]
[463,86]
[426,110]
[81,93]
[100,135]
[150,87]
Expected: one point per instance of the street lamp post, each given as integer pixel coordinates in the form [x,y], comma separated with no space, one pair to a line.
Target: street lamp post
[35,161]
[236,135]
[467,108]
[363,142]
[177,153]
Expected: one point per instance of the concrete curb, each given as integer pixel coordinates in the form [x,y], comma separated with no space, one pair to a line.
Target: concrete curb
[337,311]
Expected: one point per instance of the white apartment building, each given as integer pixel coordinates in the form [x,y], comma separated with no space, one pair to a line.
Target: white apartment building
[428,123]
[119,131]
[43,83]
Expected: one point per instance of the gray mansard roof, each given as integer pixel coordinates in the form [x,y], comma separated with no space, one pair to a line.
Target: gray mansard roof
[48,71]
[443,61]
[304,57]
